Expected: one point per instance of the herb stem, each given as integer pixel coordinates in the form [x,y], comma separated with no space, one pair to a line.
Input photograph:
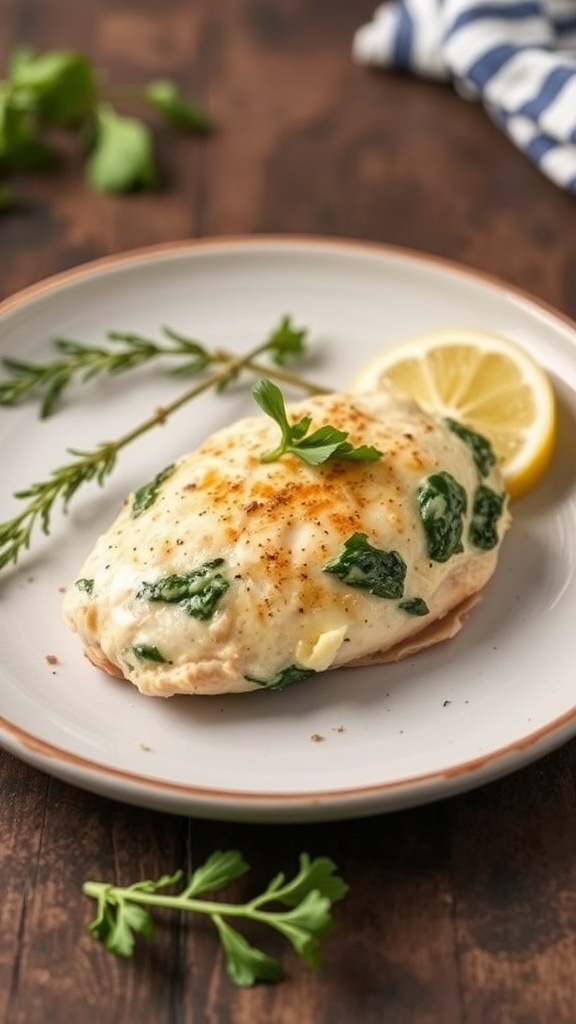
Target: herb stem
[16,533]
[276,373]
[86,362]
[299,909]
[182,901]
[233,364]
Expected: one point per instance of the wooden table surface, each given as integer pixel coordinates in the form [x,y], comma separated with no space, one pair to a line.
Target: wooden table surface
[461,912]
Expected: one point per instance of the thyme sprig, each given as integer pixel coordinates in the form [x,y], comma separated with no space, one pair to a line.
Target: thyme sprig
[298,908]
[79,361]
[42,497]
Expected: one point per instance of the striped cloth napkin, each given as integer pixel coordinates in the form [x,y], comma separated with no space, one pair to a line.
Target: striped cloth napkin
[517,56]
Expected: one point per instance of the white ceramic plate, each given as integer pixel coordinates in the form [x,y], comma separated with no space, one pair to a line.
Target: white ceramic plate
[496,697]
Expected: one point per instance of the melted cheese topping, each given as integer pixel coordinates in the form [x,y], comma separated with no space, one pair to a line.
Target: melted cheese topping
[275,526]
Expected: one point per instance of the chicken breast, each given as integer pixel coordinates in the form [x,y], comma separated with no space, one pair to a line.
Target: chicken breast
[228,574]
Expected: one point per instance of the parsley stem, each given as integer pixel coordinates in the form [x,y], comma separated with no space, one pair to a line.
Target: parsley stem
[299,909]
[181,901]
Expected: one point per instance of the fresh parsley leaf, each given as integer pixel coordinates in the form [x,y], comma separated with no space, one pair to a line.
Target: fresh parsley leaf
[121,158]
[120,917]
[21,146]
[162,94]
[131,921]
[122,912]
[117,924]
[321,445]
[7,198]
[304,926]
[29,152]
[19,57]
[59,86]
[317,874]
[245,964]
[220,869]
[271,401]
[63,89]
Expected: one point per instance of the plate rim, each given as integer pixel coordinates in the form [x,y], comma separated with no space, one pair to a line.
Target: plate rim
[340,802]
[318,805]
[143,254]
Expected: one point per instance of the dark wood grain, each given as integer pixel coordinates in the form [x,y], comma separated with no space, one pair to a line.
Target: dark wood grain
[463,912]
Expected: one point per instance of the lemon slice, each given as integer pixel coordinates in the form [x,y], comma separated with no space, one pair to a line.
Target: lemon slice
[485,381]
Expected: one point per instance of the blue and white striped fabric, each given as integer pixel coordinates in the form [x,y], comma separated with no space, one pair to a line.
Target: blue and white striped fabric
[517,56]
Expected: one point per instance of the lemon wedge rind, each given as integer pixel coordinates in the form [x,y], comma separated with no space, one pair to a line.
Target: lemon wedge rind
[486,381]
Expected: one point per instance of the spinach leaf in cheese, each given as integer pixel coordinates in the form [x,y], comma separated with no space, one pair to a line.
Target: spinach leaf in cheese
[146,495]
[285,677]
[486,511]
[414,606]
[196,592]
[147,652]
[482,451]
[85,585]
[442,502]
[359,564]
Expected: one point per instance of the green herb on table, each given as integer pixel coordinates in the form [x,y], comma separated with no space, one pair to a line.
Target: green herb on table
[299,909]
[41,498]
[321,445]
[62,89]
[7,198]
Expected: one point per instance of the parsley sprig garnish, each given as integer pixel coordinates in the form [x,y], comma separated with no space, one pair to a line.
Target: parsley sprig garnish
[42,497]
[323,444]
[62,89]
[299,909]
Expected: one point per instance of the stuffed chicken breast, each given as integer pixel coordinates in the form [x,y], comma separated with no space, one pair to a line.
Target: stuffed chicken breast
[226,573]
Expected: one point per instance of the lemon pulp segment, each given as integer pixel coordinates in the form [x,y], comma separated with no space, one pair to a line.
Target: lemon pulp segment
[485,381]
